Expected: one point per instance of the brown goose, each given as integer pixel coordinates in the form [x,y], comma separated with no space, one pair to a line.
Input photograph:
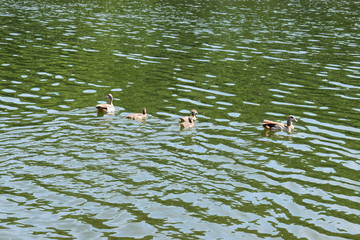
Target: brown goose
[106,107]
[189,123]
[193,116]
[277,126]
[138,116]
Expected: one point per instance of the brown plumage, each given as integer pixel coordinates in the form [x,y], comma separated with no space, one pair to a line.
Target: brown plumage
[188,123]
[278,126]
[138,116]
[193,116]
[106,107]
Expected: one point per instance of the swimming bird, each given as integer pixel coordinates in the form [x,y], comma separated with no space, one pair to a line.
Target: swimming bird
[278,126]
[187,123]
[138,116]
[193,116]
[106,107]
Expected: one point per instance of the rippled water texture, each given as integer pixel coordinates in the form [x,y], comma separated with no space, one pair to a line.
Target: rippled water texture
[67,173]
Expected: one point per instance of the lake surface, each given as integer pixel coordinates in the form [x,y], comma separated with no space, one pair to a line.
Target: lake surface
[67,173]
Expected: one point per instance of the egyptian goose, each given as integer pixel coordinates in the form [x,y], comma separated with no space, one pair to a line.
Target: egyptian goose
[106,107]
[187,123]
[277,126]
[193,116]
[138,116]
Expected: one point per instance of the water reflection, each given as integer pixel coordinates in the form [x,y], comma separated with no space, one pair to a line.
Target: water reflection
[71,173]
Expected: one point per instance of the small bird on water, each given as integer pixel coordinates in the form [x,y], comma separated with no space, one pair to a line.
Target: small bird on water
[193,116]
[189,123]
[138,116]
[106,107]
[278,126]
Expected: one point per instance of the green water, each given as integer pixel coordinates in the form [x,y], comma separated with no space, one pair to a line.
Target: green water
[67,173]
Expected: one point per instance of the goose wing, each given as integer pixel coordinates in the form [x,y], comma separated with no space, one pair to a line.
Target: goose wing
[102,106]
[273,123]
